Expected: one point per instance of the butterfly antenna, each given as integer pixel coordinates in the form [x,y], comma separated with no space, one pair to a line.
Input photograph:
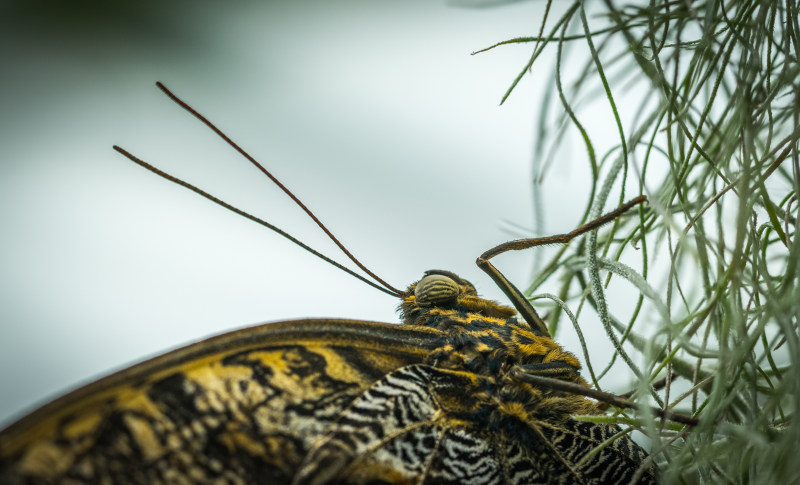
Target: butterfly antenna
[384,286]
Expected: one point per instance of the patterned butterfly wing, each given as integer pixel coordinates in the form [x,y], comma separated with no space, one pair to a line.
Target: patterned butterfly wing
[326,401]
[245,406]
[420,425]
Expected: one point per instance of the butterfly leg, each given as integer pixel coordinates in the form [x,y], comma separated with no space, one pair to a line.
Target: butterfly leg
[658,385]
[604,397]
[517,298]
[555,370]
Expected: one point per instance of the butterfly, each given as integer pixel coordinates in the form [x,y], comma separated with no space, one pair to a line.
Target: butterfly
[465,390]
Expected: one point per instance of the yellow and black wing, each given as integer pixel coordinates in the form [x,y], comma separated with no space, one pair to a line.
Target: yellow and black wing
[243,407]
[433,401]
[423,425]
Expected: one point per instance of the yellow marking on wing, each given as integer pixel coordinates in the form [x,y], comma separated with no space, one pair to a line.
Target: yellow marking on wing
[86,424]
[372,471]
[45,459]
[145,437]
[243,441]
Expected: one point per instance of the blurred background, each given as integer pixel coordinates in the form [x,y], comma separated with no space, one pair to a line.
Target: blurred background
[372,111]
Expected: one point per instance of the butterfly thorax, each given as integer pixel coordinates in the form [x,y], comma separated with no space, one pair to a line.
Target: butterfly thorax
[486,338]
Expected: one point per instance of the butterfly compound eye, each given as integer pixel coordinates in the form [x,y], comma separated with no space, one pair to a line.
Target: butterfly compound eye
[436,289]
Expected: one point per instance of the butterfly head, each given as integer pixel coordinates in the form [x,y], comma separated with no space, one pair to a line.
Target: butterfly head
[440,288]
[443,291]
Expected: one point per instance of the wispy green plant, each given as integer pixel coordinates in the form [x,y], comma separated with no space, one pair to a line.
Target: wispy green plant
[713,143]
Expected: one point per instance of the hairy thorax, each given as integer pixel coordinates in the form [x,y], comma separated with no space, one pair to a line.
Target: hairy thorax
[487,339]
